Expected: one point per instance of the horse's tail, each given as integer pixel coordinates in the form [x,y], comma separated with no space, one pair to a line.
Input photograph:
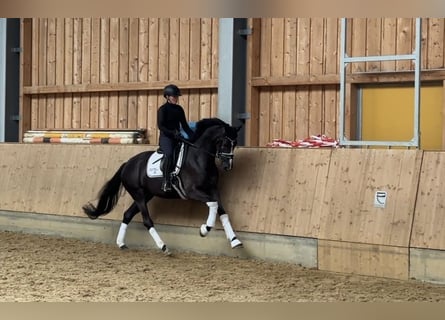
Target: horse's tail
[108,197]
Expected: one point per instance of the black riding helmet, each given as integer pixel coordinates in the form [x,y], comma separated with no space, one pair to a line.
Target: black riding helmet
[171,90]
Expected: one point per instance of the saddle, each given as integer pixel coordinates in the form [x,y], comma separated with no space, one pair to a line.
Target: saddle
[154,167]
[154,164]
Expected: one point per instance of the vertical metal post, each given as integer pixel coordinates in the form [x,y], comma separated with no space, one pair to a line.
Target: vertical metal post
[341,134]
[232,75]
[2,77]
[225,70]
[418,62]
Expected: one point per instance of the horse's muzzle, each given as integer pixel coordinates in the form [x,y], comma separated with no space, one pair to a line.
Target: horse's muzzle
[227,164]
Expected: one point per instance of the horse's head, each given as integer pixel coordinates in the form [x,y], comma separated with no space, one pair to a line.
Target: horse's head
[221,136]
[226,146]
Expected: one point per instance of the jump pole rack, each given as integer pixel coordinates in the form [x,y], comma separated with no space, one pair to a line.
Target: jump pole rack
[86,136]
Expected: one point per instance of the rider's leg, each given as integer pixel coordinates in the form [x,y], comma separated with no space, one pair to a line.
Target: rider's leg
[167,185]
[167,146]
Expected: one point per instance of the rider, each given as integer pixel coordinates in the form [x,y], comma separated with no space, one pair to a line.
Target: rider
[171,117]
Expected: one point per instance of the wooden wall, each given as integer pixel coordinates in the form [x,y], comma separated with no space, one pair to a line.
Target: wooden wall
[429,224]
[100,73]
[323,194]
[105,73]
[315,193]
[294,71]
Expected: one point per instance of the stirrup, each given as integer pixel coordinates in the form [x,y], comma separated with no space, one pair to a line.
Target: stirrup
[166,186]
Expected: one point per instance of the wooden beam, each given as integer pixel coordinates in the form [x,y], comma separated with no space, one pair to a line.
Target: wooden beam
[116,87]
[25,78]
[356,78]
[295,80]
[396,77]
[252,92]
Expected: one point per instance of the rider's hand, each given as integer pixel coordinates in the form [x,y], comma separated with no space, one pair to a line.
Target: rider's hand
[178,135]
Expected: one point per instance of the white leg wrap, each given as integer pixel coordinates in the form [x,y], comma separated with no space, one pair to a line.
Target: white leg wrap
[211,219]
[227,227]
[120,241]
[213,209]
[234,242]
[154,234]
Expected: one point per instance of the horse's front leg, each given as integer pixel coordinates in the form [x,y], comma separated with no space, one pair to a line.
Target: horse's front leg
[211,219]
[215,208]
[230,234]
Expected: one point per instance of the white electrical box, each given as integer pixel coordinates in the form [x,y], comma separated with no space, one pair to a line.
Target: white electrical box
[380,199]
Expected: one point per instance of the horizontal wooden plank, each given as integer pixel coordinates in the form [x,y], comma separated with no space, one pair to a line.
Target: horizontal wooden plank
[395,77]
[295,80]
[387,77]
[365,77]
[118,87]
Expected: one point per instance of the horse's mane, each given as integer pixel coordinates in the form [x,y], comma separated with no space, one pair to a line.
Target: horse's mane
[203,124]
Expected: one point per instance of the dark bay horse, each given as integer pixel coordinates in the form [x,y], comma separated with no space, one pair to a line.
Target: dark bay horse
[197,180]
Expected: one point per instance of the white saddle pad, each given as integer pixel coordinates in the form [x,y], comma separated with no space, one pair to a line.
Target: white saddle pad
[154,166]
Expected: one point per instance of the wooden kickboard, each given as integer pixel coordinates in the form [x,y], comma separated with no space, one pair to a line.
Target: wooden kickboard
[429,219]
[348,212]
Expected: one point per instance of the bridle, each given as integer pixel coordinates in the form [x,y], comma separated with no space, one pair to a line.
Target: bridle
[219,154]
[226,155]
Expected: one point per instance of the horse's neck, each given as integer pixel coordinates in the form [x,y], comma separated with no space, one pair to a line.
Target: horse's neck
[204,151]
[207,140]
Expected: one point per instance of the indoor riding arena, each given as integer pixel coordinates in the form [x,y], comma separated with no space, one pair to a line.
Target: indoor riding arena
[334,193]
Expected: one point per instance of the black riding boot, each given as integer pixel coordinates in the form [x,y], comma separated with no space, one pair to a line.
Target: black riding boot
[167,185]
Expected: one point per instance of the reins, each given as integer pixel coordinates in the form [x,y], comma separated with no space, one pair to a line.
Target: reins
[217,155]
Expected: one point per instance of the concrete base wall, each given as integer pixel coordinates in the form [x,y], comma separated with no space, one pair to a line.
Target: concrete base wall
[427,265]
[295,250]
[424,265]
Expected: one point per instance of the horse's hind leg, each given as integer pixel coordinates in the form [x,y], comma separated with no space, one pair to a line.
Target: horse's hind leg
[148,223]
[128,216]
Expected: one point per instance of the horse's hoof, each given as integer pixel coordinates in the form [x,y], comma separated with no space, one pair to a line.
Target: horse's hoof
[204,230]
[240,245]
[123,247]
[166,251]
[235,243]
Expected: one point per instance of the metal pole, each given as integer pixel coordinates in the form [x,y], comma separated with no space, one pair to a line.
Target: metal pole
[418,62]
[341,134]
[2,77]
[225,73]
